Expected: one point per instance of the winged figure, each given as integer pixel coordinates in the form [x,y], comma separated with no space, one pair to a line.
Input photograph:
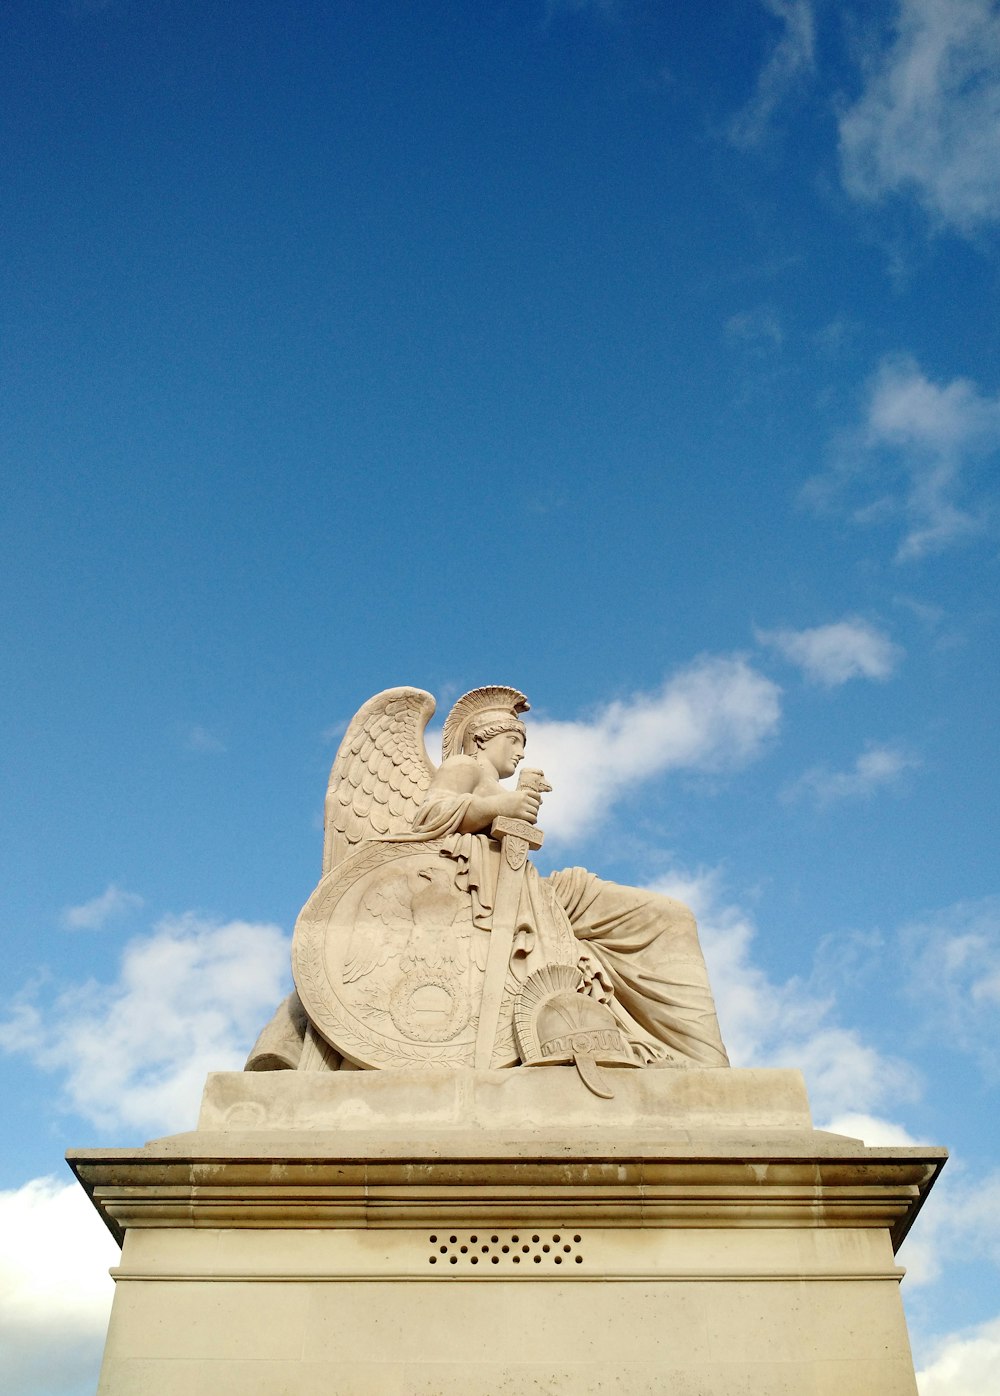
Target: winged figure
[635,949]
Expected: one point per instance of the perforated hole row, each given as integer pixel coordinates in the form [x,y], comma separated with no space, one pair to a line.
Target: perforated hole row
[507,1249]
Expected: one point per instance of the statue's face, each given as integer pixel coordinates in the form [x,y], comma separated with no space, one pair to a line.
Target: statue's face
[505,751]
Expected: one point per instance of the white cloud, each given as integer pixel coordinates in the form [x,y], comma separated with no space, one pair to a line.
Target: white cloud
[875,1131]
[959,1224]
[770,1024]
[927,122]
[713,715]
[875,768]
[190,998]
[55,1291]
[964,1364]
[792,58]
[935,429]
[112,903]
[953,976]
[832,654]
[912,457]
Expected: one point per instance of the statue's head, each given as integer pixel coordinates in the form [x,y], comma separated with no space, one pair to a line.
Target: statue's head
[479,718]
[502,743]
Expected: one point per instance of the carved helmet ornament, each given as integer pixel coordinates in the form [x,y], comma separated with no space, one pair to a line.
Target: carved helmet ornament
[555,1023]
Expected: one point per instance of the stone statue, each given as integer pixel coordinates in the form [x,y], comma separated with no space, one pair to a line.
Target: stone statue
[432,942]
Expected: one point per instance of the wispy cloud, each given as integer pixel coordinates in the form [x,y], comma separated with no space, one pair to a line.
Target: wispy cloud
[190,998]
[934,429]
[911,457]
[927,121]
[953,976]
[55,1290]
[960,1225]
[198,738]
[714,715]
[766,1023]
[112,904]
[832,654]
[873,1129]
[758,330]
[792,59]
[875,768]
[964,1363]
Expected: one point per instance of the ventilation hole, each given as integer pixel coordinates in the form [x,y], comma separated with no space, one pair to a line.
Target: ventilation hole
[469,1247]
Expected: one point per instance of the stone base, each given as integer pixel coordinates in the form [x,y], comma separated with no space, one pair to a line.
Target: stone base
[507,1232]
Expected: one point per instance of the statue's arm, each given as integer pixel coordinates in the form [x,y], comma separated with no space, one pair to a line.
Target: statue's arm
[477,800]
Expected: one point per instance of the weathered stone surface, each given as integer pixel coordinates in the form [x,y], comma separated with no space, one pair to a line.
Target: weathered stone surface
[540,1101]
[692,1234]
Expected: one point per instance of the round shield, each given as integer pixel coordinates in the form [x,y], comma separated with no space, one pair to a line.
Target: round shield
[389,965]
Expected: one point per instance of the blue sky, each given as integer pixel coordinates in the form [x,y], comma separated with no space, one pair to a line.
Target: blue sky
[642,356]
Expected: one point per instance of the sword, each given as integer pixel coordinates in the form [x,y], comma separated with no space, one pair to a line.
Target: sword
[516,836]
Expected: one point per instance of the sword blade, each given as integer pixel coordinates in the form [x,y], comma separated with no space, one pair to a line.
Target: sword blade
[516,837]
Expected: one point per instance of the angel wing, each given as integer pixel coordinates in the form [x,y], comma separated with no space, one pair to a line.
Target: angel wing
[381,773]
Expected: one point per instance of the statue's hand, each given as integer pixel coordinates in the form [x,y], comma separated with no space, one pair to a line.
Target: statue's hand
[522,804]
[596,980]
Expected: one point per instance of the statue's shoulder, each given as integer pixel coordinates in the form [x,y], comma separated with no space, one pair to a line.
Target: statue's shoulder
[459,773]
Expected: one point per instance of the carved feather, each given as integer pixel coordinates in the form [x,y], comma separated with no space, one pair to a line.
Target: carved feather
[381,772]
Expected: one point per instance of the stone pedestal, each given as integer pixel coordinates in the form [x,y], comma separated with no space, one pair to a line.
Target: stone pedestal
[472,1234]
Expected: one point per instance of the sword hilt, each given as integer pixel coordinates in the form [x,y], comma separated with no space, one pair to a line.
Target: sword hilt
[530,836]
[503,827]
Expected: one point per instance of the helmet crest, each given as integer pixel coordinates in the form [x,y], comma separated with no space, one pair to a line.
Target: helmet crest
[483,707]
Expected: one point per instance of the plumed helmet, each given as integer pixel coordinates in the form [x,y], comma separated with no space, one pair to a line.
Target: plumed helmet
[572,1024]
[555,1023]
[484,708]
